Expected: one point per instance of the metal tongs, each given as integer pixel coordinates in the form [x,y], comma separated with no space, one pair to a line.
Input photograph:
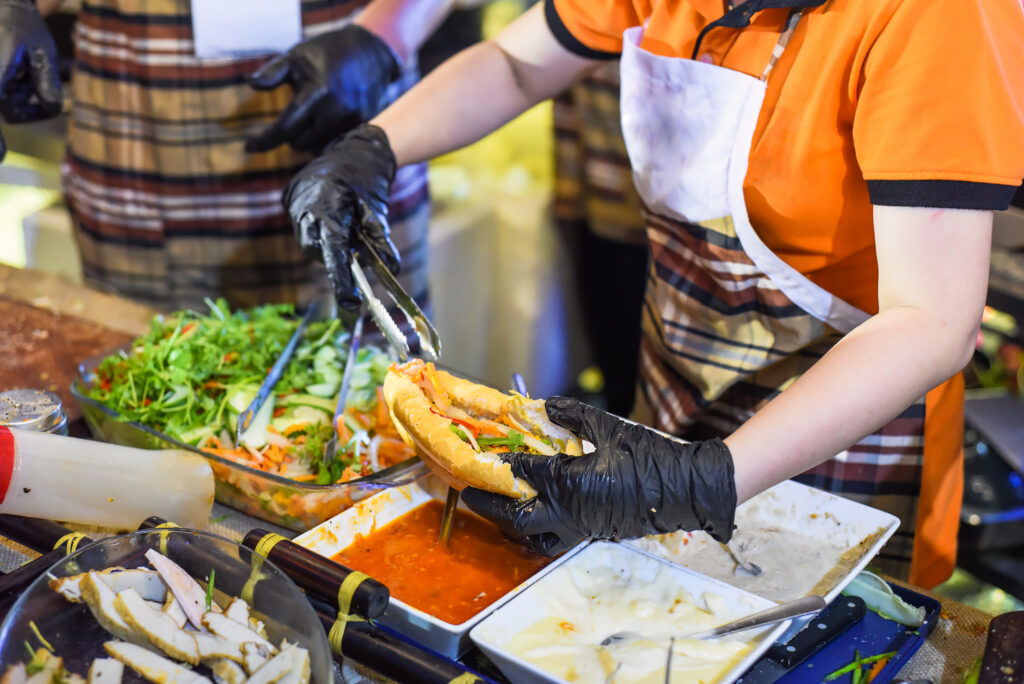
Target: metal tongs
[319,310]
[430,341]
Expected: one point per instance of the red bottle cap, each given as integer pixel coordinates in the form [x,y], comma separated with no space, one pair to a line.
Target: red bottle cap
[6,460]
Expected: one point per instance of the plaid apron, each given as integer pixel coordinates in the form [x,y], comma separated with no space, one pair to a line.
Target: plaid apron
[593,178]
[727,324]
[167,205]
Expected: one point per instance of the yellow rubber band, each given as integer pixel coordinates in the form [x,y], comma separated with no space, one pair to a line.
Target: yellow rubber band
[347,589]
[345,592]
[337,632]
[72,540]
[163,535]
[464,678]
[267,543]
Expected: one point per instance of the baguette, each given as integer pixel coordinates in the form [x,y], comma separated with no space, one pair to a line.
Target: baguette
[434,410]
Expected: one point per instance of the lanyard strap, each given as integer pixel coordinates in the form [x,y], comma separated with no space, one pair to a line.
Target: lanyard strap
[740,16]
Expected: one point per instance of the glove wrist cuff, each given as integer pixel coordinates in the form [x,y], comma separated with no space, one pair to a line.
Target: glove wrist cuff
[375,135]
[714,483]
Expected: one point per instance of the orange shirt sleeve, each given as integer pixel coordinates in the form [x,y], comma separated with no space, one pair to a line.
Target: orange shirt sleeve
[939,118]
[591,28]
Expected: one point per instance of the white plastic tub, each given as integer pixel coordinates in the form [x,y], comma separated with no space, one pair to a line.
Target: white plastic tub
[333,536]
[563,597]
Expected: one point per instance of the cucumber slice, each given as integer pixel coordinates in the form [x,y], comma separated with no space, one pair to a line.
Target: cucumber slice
[197,436]
[178,396]
[324,404]
[308,414]
[256,435]
[323,389]
[241,397]
[326,353]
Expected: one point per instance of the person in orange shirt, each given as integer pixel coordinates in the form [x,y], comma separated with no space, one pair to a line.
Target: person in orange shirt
[818,179]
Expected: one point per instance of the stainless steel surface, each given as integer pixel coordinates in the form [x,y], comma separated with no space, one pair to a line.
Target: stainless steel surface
[319,309]
[445,533]
[346,379]
[752,569]
[807,605]
[32,409]
[430,341]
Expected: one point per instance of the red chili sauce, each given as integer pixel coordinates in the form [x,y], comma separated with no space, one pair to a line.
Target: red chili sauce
[453,583]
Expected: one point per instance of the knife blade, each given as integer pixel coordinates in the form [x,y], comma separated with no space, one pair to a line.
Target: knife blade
[842,614]
[317,310]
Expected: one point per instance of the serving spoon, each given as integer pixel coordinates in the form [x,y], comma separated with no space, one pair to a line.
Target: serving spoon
[807,605]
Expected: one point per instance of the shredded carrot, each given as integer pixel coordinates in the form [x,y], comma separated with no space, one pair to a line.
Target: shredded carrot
[359,418]
[305,478]
[876,668]
[344,434]
[382,407]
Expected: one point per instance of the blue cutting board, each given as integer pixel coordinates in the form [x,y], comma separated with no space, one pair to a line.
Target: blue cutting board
[871,636]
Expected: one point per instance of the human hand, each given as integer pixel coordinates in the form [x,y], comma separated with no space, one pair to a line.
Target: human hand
[29,83]
[636,482]
[342,192]
[339,79]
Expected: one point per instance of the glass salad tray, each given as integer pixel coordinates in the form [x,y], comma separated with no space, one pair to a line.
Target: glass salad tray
[286,502]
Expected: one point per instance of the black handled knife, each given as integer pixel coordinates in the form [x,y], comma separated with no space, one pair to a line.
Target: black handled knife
[840,615]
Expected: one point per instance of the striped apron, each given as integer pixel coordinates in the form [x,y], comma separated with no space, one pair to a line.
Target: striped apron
[728,324]
[167,205]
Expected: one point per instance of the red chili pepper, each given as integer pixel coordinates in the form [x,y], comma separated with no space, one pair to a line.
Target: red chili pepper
[461,423]
[147,401]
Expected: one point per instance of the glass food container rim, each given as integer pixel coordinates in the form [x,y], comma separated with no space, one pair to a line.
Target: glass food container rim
[379,479]
[176,531]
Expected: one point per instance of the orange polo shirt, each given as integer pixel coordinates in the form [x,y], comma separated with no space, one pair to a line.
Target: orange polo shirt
[888,102]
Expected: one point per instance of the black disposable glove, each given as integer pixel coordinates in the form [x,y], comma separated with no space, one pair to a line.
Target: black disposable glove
[637,482]
[342,191]
[339,81]
[29,82]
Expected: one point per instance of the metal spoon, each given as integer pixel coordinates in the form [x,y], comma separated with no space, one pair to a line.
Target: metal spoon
[808,605]
[752,569]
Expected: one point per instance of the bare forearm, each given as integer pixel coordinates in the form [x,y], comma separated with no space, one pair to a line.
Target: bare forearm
[860,385]
[404,24]
[466,98]
[479,90]
[933,274]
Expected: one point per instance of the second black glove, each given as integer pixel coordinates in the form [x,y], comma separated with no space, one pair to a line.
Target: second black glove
[339,79]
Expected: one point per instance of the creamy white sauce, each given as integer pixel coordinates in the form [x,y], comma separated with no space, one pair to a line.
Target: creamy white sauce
[631,593]
[793,564]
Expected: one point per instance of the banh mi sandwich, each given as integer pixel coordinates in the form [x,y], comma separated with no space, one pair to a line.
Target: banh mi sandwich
[462,428]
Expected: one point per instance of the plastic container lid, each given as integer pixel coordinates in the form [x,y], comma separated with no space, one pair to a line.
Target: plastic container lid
[31,409]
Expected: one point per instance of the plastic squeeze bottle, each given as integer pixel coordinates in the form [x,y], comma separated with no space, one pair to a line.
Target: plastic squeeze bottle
[94,483]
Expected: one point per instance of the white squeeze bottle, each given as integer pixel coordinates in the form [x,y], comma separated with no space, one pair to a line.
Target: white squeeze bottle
[93,483]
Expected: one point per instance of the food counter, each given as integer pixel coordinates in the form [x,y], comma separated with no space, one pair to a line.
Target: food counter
[956,641]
